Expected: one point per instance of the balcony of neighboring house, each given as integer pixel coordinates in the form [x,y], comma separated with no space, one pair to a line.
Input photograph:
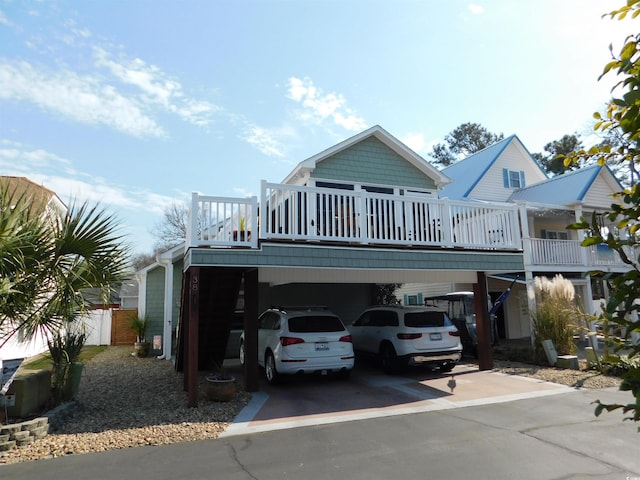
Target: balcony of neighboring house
[294,213]
[570,255]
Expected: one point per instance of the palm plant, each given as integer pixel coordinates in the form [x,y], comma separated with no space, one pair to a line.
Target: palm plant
[46,260]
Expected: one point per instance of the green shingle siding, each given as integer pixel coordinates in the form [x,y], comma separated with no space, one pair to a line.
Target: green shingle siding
[362,258]
[370,161]
[155,303]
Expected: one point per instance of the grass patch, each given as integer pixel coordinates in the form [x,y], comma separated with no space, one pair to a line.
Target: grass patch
[44,362]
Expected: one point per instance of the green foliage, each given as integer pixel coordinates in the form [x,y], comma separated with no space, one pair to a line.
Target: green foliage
[44,361]
[48,257]
[553,161]
[622,116]
[64,349]
[139,326]
[556,316]
[386,293]
[466,139]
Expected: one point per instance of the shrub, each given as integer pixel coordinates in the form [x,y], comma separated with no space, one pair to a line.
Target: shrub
[556,316]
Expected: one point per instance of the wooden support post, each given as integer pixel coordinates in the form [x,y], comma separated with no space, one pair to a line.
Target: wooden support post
[191,369]
[251,369]
[483,324]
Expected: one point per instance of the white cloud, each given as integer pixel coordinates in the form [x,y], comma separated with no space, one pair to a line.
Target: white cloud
[264,140]
[70,184]
[476,9]
[156,87]
[4,20]
[85,99]
[318,107]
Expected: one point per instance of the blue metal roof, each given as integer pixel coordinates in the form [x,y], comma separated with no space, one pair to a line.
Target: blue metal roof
[468,172]
[562,189]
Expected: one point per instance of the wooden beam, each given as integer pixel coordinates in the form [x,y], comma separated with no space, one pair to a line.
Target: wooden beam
[251,369]
[191,369]
[483,324]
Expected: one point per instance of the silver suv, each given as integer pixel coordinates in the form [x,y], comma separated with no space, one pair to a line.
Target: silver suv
[402,336]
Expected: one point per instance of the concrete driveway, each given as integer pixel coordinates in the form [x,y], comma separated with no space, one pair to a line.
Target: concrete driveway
[370,393]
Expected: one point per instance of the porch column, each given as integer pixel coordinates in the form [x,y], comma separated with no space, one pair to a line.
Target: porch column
[483,325]
[251,369]
[525,232]
[191,370]
[531,301]
[584,252]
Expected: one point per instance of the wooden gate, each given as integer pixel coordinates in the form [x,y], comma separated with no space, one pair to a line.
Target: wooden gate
[121,332]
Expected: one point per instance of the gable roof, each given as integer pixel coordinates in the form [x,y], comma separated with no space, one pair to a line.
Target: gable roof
[566,189]
[468,172]
[39,196]
[302,170]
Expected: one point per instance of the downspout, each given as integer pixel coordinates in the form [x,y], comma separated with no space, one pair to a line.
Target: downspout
[167,263]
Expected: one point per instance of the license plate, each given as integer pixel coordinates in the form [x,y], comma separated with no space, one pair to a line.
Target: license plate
[435,336]
[322,346]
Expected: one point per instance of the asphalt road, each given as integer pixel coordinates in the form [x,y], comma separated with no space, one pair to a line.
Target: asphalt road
[554,437]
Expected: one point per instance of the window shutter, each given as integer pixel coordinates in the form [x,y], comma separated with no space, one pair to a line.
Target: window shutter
[419,299]
[406,300]
[505,177]
[522,184]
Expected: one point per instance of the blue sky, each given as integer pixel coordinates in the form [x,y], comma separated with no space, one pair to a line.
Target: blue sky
[135,104]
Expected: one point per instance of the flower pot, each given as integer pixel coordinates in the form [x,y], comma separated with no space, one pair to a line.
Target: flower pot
[141,349]
[220,389]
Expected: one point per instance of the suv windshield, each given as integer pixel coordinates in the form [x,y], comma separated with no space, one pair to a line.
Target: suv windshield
[426,319]
[315,323]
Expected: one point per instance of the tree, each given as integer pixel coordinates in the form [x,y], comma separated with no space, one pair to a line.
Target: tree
[464,140]
[622,117]
[142,260]
[625,170]
[47,259]
[172,229]
[553,160]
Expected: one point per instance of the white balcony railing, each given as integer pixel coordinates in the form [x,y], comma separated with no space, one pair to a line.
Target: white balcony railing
[290,212]
[546,252]
[222,221]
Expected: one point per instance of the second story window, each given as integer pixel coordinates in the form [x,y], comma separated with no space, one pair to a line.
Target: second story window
[513,178]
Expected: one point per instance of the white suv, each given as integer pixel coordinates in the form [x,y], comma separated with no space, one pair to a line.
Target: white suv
[402,336]
[294,340]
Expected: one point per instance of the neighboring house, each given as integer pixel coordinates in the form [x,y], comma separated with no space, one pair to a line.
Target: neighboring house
[39,196]
[506,172]
[364,212]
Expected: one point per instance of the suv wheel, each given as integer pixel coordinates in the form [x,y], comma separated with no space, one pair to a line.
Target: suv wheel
[241,353]
[389,358]
[447,367]
[270,370]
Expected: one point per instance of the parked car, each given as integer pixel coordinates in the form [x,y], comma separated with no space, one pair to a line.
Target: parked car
[301,340]
[401,336]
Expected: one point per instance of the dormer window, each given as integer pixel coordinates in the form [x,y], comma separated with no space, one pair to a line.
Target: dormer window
[513,178]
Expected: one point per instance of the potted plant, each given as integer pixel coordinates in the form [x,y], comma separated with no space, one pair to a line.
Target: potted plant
[221,386]
[65,349]
[242,233]
[139,326]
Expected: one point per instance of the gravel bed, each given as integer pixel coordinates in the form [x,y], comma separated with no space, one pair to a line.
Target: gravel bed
[582,378]
[125,401]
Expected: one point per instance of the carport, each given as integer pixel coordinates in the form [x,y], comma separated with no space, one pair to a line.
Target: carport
[212,279]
